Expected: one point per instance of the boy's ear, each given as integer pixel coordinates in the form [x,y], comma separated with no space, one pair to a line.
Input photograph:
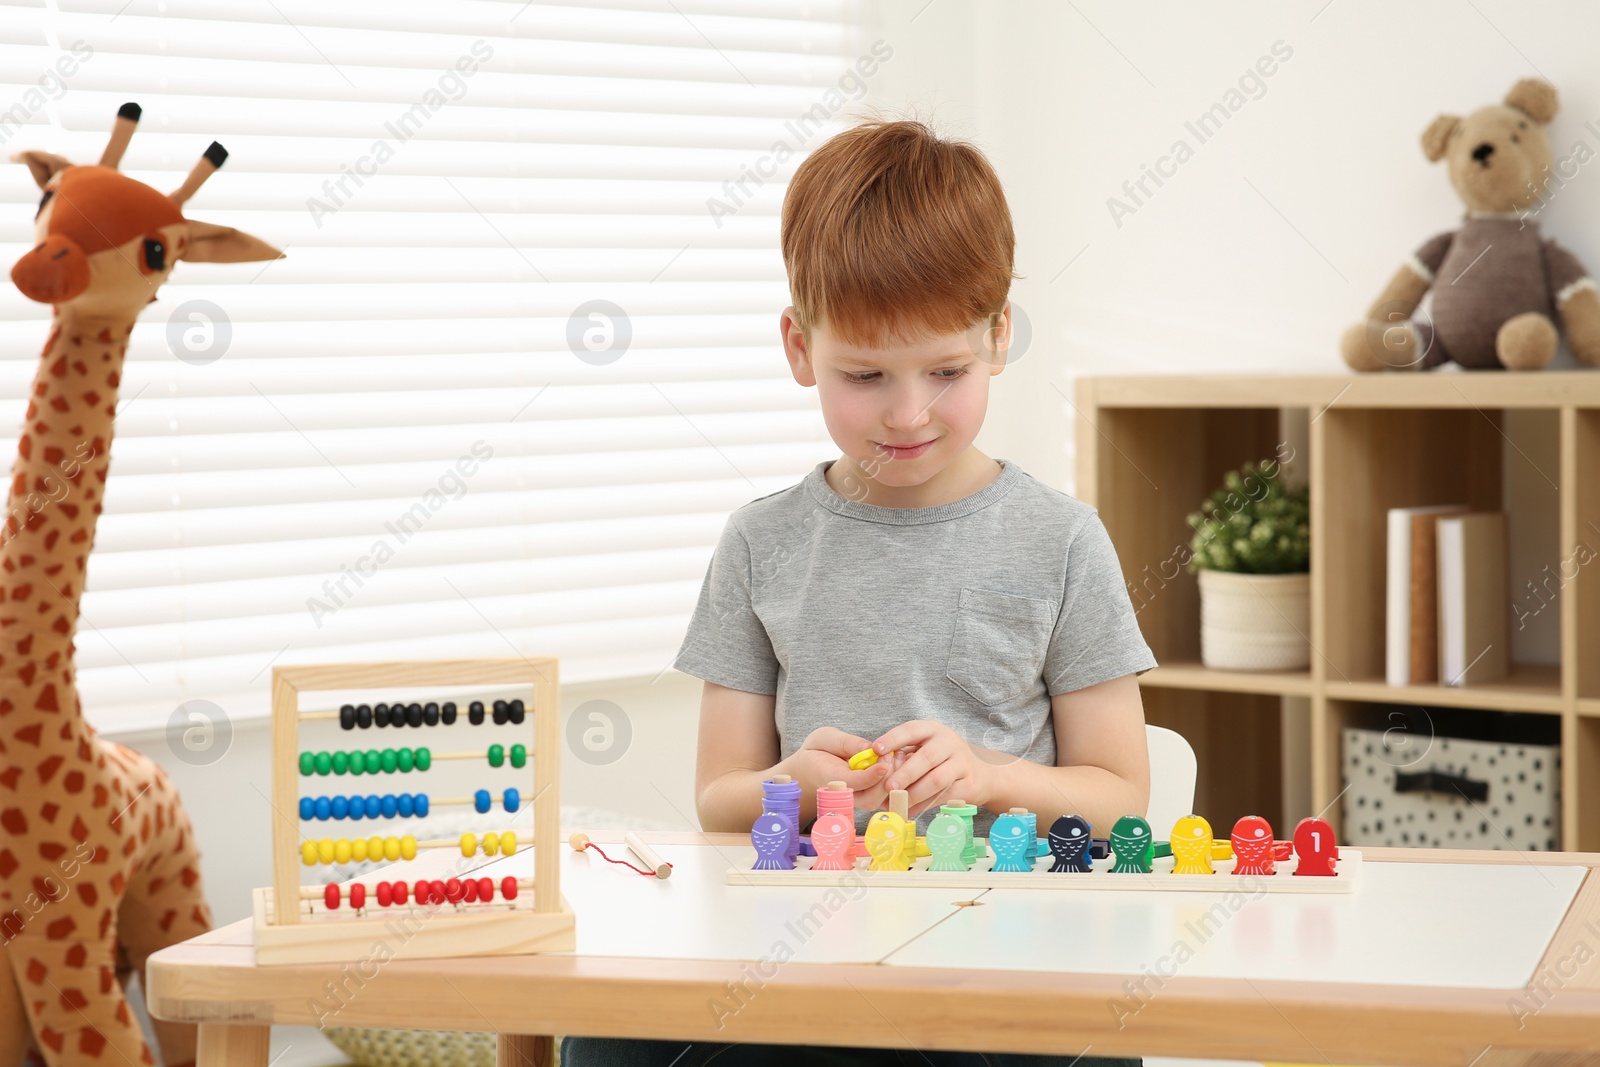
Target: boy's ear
[994,340]
[795,348]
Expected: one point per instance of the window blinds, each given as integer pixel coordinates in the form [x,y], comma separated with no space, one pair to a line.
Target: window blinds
[521,359]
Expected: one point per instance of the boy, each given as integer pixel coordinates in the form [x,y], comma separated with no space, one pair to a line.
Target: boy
[914,596]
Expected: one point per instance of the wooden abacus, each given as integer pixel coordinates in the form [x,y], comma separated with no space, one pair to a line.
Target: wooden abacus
[458,916]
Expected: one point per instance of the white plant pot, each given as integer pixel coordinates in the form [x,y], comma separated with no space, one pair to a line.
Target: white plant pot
[1255,622]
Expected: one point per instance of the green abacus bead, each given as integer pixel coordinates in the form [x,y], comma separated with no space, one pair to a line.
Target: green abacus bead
[424,759]
[407,760]
[358,765]
[497,755]
[519,756]
[324,763]
[307,763]
[341,763]
[374,761]
[391,761]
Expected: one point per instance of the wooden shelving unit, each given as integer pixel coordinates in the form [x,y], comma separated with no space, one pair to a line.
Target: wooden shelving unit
[1150,448]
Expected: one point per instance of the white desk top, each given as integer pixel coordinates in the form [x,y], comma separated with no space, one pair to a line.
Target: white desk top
[1437,924]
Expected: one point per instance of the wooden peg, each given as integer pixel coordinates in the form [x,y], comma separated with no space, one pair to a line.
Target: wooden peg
[647,855]
[781,779]
[837,785]
[579,841]
[899,802]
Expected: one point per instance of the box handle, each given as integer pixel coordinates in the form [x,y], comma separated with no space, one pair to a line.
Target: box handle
[1440,782]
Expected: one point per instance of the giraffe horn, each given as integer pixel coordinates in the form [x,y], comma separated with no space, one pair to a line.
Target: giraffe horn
[121,133]
[213,158]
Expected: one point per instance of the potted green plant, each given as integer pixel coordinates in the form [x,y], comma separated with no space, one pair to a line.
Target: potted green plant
[1252,550]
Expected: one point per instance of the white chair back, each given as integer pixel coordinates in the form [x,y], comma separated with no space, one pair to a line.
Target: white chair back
[1172,775]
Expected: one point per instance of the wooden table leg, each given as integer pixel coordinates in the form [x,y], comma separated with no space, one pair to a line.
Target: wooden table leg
[233,1046]
[524,1050]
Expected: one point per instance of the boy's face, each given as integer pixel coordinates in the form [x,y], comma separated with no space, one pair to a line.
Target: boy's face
[930,394]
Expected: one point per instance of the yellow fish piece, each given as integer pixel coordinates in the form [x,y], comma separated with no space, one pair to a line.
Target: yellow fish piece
[885,841]
[1191,846]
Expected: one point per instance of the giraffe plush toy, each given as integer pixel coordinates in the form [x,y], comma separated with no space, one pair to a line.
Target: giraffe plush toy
[98,866]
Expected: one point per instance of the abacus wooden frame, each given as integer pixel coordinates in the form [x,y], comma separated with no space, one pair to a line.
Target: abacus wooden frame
[547,925]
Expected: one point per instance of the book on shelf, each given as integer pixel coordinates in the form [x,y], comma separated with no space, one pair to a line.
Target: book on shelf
[1474,598]
[1411,611]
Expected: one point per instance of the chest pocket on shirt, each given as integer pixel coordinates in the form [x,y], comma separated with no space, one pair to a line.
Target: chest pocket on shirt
[998,648]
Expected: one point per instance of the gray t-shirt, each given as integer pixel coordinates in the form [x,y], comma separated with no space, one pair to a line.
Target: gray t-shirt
[974,613]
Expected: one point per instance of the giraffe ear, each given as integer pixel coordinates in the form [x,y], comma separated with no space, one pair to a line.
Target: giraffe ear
[43,165]
[209,243]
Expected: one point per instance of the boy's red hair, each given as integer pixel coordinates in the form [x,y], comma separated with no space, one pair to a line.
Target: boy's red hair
[890,234]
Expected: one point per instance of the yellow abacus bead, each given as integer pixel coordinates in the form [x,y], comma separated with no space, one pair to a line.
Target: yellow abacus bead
[408,847]
[358,850]
[491,844]
[375,849]
[391,848]
[508,843]
[341,851]
[325,850]
[469,845]
[308,853]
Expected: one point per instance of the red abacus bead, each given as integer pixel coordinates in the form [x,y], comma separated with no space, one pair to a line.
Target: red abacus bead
[485,889]
[422,891]
[385,894]
[508,887]
[436,894]
[452,890]
[330,897]
[469,890]
[358,896]
[400,893]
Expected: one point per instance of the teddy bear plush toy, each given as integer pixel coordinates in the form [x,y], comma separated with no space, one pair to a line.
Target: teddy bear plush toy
[1498,286]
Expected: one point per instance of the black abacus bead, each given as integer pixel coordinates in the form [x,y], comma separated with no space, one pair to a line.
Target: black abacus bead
[475,713]
[500,714]
[363,716]
[347,716]
[447,714]
[430,714]
[516,711]
[414,714]
[380,715]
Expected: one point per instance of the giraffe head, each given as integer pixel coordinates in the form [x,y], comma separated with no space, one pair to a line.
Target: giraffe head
[105,242]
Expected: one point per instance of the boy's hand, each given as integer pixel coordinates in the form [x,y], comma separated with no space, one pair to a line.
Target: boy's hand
[943,766]
[824,757]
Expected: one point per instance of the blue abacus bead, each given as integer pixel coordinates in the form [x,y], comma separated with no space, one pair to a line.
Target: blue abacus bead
[391,805]
[422,805]
[406,805]
[355,807]
[513,800]
[323,808]
[481,801]
[308,808]
[374,805]
[341,807]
